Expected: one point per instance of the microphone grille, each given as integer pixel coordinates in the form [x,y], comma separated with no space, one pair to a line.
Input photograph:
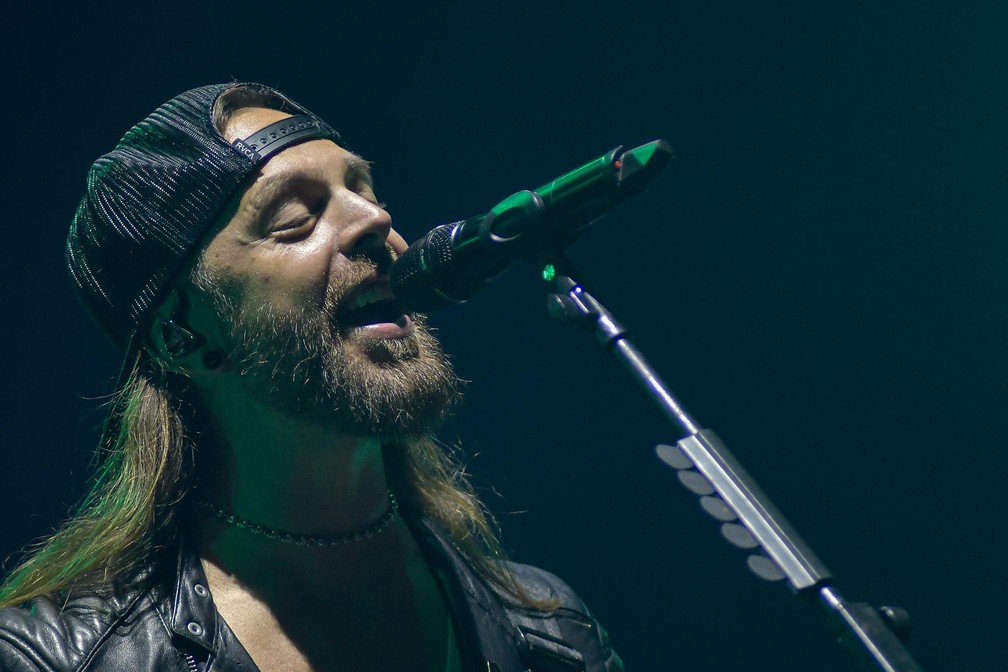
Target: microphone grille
[439,246]
[415,274]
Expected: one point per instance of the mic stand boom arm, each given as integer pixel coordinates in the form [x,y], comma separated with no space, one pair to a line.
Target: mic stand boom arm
[729,494]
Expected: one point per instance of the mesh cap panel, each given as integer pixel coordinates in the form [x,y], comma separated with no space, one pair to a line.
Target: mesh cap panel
[150,202]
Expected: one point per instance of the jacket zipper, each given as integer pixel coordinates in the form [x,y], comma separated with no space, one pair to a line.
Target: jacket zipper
[191,662]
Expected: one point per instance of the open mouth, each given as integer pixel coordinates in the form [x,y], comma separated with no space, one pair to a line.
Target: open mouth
[372,304]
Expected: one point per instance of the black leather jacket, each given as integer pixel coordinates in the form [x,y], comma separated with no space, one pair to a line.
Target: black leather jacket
[171,624]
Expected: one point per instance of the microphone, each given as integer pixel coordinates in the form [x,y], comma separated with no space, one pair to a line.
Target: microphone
[453,261]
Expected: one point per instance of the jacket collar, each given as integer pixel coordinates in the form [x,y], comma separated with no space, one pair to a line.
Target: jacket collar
[488,640]
[193,616]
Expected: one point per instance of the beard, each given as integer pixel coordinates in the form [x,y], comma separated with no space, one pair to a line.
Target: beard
[301,362]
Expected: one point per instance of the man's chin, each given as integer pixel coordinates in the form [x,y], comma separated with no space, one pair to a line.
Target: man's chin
[392,383]
[383,350]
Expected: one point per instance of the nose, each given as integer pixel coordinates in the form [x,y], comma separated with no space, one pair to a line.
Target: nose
[367,230]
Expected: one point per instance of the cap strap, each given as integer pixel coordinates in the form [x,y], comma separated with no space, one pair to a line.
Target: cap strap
[266,142]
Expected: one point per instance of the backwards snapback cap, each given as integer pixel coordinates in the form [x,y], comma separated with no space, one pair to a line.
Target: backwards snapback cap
[150,203]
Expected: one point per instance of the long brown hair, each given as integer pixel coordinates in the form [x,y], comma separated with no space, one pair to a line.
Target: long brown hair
[135,488]
[133,506]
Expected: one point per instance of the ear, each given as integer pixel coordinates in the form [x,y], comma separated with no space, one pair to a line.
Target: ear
[173,342]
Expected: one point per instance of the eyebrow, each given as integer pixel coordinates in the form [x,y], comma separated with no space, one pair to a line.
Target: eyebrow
[357,166]
[267,192]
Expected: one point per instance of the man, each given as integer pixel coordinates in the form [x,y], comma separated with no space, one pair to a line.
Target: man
[269,493]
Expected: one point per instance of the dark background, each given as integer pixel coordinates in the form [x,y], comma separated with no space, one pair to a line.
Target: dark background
[818,275]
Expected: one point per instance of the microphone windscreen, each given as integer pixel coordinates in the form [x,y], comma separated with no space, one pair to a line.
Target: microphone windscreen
[418,275]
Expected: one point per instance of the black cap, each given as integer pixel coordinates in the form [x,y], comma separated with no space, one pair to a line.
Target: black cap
[150,204]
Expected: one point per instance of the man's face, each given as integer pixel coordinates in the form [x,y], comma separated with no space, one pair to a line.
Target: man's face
[299,275]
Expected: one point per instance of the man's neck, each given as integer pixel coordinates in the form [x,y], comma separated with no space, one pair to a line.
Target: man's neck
[285,601]
[284,474]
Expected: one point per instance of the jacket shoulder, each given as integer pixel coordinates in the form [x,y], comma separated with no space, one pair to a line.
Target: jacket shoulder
[44,634]
[65,634]
[566,633]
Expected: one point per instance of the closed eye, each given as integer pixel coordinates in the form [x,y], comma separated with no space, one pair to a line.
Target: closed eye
[293,221]
[294,231]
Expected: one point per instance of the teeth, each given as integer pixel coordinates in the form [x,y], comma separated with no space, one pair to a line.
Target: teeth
[372,294]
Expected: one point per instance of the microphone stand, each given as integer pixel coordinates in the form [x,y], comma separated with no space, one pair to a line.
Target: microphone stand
[870,636]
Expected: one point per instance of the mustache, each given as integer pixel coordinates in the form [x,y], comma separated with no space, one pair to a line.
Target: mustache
[354,271]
